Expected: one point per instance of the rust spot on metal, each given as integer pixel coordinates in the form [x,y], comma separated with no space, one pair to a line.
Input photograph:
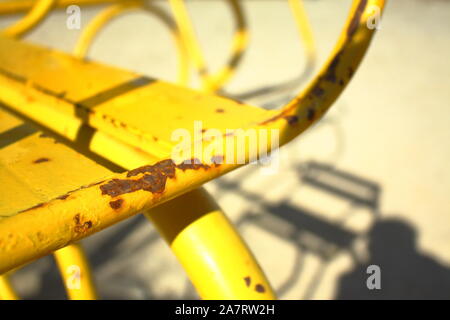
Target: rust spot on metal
[292,120]
[116,204]
[81,227]
[63,197]
[310,114]
[220,110]
[331,73]
[248,281]
[152,183]
[318,91]
[153,180]
[40,160]
[193,164]
[166,167]
[260,288]
[353,26]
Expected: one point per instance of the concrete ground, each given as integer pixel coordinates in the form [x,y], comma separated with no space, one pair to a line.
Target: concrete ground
[386,140]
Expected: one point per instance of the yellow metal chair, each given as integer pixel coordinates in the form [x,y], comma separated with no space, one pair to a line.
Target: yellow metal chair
[68,125]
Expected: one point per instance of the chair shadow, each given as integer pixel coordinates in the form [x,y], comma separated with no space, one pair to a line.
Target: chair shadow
[305,228]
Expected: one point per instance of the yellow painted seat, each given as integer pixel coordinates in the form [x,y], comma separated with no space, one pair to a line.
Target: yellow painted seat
[57,196]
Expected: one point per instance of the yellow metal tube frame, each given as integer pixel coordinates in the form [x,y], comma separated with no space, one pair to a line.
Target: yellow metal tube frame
[75,271]
[295,117]
[19,6]
[36,15]
[113,11]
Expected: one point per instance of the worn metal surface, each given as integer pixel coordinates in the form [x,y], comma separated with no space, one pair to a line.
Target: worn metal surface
[36,88]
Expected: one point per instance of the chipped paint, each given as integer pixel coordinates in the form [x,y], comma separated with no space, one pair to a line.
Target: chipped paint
[260,288]
[81,227]
[40,160]
[116,204]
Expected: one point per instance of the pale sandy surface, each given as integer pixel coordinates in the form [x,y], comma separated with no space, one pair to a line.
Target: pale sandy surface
[390,127]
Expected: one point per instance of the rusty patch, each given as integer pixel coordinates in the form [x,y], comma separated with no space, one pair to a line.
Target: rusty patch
[63,197]
[353,26]
[152,183]
[193,164]
[153,180]
[166,167]
[116,204]
[318,91]
[248,281]
[310,114]
[331,73]
[260,288]
[81,227]
[291,120]
[40,160]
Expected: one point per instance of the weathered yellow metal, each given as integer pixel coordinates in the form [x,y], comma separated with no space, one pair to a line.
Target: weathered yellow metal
[39,145]
[68,101]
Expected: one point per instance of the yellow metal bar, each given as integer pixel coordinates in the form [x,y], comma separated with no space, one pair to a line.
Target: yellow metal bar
[304,27]
[212,253]
[312,102]
[99,21]
[75,271]
[240,42]
[35,16]
[18,6]
[198,217]
[6,290]
[211,82]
